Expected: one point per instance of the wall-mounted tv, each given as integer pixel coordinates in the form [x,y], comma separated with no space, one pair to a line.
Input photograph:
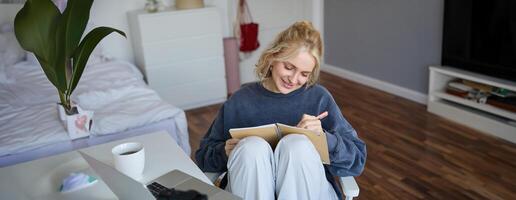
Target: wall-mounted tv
[480,36]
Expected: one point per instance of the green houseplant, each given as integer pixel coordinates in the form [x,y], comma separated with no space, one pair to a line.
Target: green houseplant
[55,40]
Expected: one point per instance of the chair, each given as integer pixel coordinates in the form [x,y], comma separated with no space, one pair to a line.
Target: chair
[348,184]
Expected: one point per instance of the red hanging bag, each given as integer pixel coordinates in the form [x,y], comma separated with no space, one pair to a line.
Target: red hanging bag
[248,32]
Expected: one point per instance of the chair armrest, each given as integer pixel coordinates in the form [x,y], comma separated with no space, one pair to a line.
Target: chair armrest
[212,176]
[349,186]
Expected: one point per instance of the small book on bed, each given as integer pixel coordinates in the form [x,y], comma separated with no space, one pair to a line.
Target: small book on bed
[272,133]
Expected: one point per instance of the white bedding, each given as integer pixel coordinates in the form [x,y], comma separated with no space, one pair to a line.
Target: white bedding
[114,90]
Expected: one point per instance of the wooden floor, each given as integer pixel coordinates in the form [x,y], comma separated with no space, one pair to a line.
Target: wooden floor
[412,154]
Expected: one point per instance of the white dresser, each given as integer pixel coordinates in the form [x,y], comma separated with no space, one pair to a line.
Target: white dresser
[181,54]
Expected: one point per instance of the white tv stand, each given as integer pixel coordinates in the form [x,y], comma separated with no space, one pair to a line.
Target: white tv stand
[484,117]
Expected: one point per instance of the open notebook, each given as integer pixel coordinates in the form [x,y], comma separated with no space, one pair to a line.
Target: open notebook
[272,133]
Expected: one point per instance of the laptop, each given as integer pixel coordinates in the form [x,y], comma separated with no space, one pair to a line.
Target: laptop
[125,187]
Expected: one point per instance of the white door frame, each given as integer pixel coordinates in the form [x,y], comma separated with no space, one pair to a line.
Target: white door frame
[318,19]
[318,15]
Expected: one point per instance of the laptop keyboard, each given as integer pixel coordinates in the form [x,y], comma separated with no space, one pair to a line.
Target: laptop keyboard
[155,188]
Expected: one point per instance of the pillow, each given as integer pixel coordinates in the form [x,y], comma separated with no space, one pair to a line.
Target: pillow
[31,58]
[94,59]
[6,27]
[3,74]
[10,54]
[10,51]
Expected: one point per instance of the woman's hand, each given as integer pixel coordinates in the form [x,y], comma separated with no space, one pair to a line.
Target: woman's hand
[230,145]
[312,123]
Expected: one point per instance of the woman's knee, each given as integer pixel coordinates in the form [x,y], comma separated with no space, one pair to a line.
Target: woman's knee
[297,144]
[251,147]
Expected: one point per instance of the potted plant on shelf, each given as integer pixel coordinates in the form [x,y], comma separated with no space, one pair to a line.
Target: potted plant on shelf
[55,40]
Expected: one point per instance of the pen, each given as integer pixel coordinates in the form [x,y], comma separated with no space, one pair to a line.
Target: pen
[322,115]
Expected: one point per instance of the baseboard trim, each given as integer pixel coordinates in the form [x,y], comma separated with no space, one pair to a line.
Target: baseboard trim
[376,83]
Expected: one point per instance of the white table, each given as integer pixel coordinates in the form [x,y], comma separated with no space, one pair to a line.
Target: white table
[41,179]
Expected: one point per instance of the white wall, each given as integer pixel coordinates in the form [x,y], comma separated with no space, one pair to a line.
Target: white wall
[272,15]
[393,41]
[113,13]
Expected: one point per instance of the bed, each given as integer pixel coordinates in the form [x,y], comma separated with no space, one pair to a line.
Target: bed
[115,90]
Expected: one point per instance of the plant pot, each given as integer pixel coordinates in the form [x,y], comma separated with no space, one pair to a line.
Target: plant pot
[78,124]
[61,111]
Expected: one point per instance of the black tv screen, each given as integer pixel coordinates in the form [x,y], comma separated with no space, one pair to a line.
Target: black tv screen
[480,36]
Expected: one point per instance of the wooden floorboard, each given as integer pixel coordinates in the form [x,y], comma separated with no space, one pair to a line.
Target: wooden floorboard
[412,154]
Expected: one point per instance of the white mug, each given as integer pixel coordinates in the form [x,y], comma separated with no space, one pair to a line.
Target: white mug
[129,158]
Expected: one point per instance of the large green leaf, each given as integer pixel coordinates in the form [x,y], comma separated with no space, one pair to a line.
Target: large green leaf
[34,27]
[34,24]
[70,28]
[72,24]
[84,50]
[49,70]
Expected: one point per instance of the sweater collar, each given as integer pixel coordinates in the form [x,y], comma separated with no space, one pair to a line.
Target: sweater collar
[266,92]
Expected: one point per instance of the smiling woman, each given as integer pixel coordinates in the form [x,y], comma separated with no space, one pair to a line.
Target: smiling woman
[291,74]
[287,93]
[299,46]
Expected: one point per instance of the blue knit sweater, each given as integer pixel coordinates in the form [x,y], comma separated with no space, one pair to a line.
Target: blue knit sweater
[253,105]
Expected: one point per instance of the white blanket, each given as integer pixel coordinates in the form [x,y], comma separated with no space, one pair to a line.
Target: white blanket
[116,109]
[114,90]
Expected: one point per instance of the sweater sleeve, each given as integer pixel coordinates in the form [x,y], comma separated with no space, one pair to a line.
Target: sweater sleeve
[347,152]
[211,156]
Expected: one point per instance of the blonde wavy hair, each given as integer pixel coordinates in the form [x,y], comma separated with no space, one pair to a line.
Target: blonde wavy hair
[300,36]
